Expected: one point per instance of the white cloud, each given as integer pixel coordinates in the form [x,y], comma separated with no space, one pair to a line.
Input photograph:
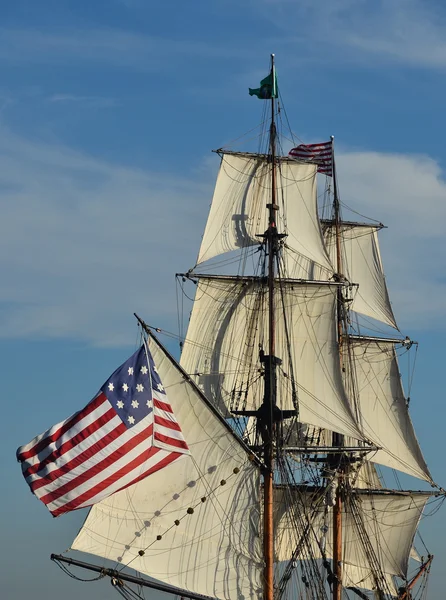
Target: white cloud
[409,32]
[84,243]
[408,194]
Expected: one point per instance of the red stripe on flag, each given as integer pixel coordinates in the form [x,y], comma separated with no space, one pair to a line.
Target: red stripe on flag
[99,467]
[72,442]
[43,443]
[170,441]
[79,458]
[103,485]
[162,405]
[167,423]
[118,475]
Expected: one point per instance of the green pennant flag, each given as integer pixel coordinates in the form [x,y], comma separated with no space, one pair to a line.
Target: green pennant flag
[267,89]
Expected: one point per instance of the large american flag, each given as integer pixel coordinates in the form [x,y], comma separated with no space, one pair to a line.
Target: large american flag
[127,432]
[321,154]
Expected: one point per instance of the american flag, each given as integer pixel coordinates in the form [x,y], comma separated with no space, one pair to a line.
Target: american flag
[321,154]
[127,432]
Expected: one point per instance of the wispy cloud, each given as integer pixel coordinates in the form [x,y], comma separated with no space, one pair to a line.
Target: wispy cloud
[85,243]
[408,32]
[116,47]
[408,194]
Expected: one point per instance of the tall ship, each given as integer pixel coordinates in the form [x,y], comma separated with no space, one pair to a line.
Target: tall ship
[254,468]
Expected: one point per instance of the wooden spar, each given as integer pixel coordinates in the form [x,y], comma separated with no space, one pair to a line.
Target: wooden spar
[118,577]
[268,539]
[423,568]
[338,439]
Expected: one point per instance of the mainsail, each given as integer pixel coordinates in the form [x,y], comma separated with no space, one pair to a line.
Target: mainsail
[227,327]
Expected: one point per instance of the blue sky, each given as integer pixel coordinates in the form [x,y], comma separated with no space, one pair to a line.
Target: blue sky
[108,113]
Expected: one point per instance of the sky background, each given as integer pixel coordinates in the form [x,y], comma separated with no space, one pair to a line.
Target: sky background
[108,112]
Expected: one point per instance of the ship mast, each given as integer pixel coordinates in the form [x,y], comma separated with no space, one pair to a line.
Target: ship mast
[338,439]
[269,402]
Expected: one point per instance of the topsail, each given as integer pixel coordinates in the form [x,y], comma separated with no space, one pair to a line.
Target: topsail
[362,266]
[237,216]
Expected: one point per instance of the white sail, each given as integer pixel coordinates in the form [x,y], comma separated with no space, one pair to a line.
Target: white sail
[362,265]
[386,520]
[216,550]
[229,324]
[383,408]
[238,212]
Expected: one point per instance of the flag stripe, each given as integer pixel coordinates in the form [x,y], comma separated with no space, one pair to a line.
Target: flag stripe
[162,405]
[169,441]
[78,469]
[42,441]
[65,445]
[75,460]
[93,490]
[177,435]
[95,471]
[167,423]
[88,499]
[112,428]
[155,462]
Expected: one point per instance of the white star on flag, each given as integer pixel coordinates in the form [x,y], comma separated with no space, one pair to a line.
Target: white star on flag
[131,420]
[111,387]
[160,387]
[130,371]
[139,387]
[120,404]
[125,387]
[135,403]
[144,370]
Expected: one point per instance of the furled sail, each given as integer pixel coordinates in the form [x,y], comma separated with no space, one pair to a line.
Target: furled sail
[383,409]
[362,265]
[228,327]
[377,532]
[200,505]
[237,215]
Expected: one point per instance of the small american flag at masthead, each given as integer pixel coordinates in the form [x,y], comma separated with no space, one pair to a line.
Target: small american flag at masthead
[127,432]
[320,154]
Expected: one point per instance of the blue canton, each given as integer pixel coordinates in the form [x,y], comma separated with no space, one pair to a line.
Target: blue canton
[128,390]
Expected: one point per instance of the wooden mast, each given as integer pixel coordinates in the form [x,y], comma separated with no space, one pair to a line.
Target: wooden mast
[405,594]
[338,439]
[270,365]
